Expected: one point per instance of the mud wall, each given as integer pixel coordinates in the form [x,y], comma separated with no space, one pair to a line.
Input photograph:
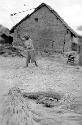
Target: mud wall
[45,29]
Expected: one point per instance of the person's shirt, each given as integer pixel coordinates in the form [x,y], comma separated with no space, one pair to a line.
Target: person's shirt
[29,44]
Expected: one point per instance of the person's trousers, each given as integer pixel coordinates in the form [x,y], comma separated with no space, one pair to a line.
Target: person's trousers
[30,57]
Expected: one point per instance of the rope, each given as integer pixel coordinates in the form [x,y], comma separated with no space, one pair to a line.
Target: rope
[13,14]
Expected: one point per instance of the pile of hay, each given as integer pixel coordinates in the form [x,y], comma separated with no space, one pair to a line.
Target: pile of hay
[15,109]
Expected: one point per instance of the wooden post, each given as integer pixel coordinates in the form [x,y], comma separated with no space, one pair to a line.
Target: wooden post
[80,55]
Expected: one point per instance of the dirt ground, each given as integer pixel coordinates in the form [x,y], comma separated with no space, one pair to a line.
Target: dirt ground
[53,75]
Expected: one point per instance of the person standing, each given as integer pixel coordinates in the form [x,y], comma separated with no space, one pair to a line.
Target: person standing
[30,52]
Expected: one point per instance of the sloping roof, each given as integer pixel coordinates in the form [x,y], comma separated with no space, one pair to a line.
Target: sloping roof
[53,11]
[4,30]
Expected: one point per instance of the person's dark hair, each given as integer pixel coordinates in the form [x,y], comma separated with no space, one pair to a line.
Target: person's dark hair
[26,37]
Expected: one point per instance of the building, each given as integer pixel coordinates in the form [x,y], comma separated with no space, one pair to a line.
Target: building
[46,28]
[80,48]
[5,37]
